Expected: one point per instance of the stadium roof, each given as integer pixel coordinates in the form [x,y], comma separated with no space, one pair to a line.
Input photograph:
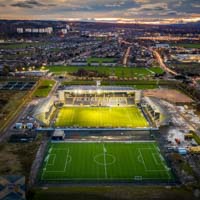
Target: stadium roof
[43,106]
[96,88]
[154,103]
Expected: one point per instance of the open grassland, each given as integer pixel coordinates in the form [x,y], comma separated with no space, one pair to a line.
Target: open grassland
[17,158]
[187,45]
[44,88]
[129,117]
[100,60]
[112,192]
[22,45]
[105,162]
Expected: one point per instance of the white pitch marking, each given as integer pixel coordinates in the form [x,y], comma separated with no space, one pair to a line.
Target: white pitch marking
[104,156]
[54,158]
[66,162]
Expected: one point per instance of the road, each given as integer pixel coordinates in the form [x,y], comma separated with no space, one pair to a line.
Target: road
[126,56]
[170,71]
[125,42]
[163,65]
[20,112]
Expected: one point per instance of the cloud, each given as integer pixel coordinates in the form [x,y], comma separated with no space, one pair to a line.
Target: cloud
[30,4]
[89,9]
[195,5]
[117,4]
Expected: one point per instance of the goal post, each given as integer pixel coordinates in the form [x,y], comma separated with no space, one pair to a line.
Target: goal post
[138,178]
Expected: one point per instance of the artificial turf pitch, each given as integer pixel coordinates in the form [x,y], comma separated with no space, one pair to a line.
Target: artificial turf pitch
[115,161]
[125,117]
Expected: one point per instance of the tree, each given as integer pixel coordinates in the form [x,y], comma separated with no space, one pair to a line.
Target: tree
[6,70]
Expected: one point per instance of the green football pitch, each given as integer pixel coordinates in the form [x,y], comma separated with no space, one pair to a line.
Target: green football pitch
[99,161]
[130,117]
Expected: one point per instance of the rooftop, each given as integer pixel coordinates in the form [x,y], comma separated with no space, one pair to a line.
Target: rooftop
[96,88]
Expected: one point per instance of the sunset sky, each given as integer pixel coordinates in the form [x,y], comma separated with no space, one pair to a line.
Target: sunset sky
[109,10]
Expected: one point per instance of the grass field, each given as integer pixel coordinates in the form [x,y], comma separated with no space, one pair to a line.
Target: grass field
[136,84]
[44,88]
[187,45]
[22,45]
[111,71]
[101,117]
[100,60]
[105,161]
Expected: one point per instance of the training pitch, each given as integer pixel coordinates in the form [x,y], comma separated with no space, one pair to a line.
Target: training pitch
[105,162]
[126,117]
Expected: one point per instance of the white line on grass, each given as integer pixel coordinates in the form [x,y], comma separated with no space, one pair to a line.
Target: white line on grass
[129,117]
[66,161]
[72,117]
[146,169]
[142,159]
[54,158]
[61,149]
[96,179]
[104,156]
[155,159]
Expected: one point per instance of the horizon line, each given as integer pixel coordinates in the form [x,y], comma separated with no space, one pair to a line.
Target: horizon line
[152,21]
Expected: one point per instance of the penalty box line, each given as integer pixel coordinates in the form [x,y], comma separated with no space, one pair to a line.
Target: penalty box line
[65,165]
[54,158]
[146,169]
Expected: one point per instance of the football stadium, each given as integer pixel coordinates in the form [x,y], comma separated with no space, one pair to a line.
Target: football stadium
[93,107]
[100,134]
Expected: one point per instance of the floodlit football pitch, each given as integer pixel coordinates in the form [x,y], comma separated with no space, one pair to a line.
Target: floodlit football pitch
[108,161]
[125,117]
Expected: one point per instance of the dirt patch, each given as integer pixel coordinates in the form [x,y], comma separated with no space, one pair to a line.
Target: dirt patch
[170,95]
[3,102]
[9,163]
[16,159]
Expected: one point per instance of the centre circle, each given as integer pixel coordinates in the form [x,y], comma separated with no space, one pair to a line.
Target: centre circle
[104,159]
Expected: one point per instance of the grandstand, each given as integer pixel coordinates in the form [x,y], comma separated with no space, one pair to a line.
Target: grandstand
[44,111]
[155,112]
[97,96]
